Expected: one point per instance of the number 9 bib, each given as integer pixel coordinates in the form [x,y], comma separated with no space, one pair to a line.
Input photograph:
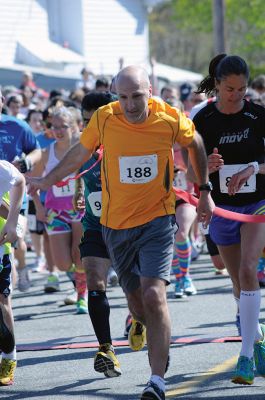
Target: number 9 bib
[95,199]
[138,169]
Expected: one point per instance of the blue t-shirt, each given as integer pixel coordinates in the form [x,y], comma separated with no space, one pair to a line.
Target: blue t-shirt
[92,182]
[43,140]
[16,137]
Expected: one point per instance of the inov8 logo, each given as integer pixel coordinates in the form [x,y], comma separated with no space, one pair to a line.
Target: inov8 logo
[234,137]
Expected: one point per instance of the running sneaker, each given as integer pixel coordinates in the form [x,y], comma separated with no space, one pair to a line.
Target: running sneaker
[106,362]
[222,271]
[188,286]
[23,279]
[128,324]
[112,277]
[81,306]
[52,285]
[244,372]
[259,353]
[238,324]
[178,291]
[71,298]
[137,335]
[195,252]
[153,392]
[7,371]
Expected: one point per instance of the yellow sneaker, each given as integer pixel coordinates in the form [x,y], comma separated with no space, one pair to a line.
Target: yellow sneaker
[137,335]
[7,371]
[106,362]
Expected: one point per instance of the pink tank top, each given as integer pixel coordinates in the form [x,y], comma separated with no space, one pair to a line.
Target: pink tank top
[58,198]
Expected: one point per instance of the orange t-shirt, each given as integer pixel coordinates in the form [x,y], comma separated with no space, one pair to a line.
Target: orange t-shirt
[137,166]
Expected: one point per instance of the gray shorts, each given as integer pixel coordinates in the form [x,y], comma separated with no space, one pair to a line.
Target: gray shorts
[143,251]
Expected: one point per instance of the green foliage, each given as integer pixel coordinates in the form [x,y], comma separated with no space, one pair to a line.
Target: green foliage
[181,33]
[193,15]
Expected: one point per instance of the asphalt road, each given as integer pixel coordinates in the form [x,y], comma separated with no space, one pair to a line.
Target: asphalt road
[56,346]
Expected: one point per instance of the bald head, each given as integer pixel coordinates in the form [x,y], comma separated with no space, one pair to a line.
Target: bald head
[133,75]
[133,89]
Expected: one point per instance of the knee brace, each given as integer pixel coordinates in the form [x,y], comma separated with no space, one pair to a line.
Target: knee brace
[7,340]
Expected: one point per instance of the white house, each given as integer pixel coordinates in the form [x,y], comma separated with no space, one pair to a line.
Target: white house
[59,37]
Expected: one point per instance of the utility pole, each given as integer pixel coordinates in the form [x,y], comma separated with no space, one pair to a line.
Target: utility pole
[219,26]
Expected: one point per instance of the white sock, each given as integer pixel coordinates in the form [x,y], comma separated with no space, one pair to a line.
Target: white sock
[160,382]
[10,356]
[249,320]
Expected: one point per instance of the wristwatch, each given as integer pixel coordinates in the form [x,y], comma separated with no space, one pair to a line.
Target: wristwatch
[207,186]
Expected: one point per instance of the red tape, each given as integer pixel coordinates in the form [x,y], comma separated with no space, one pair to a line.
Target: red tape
[66,181]
[189,198]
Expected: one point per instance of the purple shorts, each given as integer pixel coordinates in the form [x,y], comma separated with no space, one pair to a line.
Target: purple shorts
[225,232]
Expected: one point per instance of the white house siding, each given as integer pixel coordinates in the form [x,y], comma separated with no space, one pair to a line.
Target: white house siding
[66,23]
[13,14]
[114,29]
[20,19]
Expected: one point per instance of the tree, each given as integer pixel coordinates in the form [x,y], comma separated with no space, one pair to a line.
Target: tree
[181,33]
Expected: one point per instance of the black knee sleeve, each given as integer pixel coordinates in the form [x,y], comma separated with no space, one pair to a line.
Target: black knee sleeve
[7,340]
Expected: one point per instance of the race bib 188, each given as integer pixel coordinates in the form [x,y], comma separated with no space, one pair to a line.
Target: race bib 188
[138,169]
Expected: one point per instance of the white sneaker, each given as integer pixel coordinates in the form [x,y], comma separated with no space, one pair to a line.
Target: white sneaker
[112,277]
[71,298]
[23,283]
[188,286]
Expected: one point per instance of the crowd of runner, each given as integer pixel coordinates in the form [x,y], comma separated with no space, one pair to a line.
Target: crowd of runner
[100,228]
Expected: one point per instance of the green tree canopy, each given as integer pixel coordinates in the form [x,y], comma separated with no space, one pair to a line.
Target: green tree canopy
[181,33]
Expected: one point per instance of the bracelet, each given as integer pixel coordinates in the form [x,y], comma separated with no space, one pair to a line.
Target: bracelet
[255,165]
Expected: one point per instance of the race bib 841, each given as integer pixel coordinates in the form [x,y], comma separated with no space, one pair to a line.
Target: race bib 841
[226,173]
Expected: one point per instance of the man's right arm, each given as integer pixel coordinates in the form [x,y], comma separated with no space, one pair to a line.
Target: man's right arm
[72,160]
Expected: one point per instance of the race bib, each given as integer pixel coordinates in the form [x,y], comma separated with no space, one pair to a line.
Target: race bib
[138,169]
[180,180]
[64,191]
[32,222]
[227,171]
[94,200]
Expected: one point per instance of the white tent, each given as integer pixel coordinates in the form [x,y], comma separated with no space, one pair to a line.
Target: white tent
[174,75]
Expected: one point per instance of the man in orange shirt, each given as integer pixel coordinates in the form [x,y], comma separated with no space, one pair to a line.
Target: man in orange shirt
[138,202]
